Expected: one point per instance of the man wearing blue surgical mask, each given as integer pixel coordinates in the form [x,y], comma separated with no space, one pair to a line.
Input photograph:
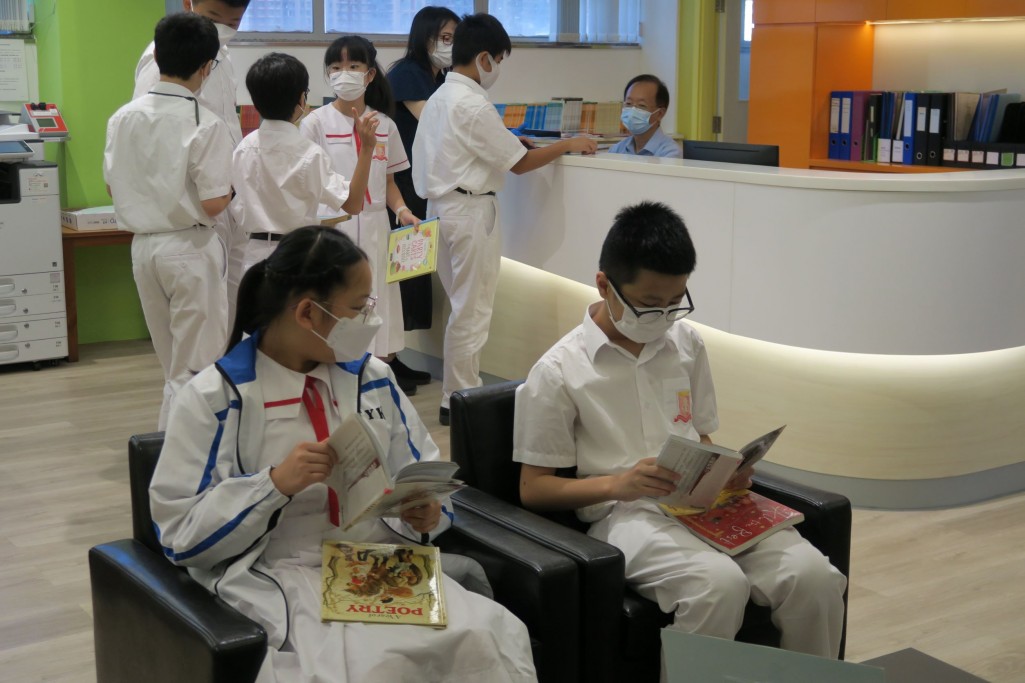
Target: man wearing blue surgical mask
[645,103]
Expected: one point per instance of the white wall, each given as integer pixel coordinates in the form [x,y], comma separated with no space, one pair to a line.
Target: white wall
[961,56]
[533,73]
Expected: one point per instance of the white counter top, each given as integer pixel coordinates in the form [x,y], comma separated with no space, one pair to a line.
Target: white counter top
[960,181]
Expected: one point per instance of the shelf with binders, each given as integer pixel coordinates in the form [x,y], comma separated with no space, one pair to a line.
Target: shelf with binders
[924,131]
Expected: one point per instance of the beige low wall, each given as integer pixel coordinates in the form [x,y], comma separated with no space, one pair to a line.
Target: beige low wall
[848,415]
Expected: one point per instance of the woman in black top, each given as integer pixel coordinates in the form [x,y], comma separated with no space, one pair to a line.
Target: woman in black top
[413,79]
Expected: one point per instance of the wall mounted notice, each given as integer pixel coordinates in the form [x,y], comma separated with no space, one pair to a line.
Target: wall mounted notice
[13,71]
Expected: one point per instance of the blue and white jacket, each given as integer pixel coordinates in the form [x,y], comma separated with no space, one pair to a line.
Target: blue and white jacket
[213,501]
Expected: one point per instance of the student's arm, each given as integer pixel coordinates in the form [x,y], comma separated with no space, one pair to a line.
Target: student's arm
[366,128]
[395,201]
[542,489]
[212,207]
[536,158]
[415,107]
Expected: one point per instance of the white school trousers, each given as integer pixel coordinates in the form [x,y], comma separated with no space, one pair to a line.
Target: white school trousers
[708,590]
[230,232]
[180,278]
[469,256]
[370,230]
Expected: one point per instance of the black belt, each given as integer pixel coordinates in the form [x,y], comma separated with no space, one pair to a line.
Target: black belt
[475,194]
[266,236]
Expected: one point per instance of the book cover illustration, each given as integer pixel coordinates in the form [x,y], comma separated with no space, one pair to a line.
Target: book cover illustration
[382,583]
[413,251]
[737,520]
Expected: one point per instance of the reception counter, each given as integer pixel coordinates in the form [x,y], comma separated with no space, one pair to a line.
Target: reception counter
[881,318]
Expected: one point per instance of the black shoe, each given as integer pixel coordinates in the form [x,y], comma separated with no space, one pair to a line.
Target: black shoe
[403,371]
[408,386]
[443,417]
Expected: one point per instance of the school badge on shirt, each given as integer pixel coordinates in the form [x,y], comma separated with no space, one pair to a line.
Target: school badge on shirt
[683,413]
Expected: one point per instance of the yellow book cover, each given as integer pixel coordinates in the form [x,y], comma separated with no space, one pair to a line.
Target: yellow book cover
[413,251]
[382,584]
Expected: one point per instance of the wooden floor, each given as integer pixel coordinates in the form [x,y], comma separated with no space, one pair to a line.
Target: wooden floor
[948,583]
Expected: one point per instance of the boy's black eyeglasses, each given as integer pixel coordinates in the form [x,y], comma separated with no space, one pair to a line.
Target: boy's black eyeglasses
[650,315]
[216,62]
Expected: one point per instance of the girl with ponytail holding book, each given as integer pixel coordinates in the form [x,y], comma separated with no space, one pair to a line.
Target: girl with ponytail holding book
[350,65]
[238,496]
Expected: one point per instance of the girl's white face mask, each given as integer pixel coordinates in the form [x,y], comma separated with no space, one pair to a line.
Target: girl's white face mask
[442,55]
[348,85]
[350,337]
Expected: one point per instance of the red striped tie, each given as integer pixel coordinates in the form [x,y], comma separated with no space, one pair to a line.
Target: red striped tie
[314,405]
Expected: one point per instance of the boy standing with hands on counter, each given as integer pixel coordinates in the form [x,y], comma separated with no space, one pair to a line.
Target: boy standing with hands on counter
[461,153]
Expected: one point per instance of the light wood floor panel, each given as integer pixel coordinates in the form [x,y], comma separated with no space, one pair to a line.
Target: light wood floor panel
[946,582]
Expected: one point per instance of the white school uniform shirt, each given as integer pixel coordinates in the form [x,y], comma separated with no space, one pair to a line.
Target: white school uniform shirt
[333,131]
[591,404]
[461,141]
[218,93]
[160,164]
[280,180]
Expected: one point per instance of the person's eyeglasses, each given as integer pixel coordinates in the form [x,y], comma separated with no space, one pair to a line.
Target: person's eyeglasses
[216,62]
[446,38]
[368,307]
[650,315]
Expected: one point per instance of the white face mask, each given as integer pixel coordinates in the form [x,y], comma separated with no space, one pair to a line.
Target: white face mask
[488,78]
[225,33]
[632,328]
[348,85]
[442,55]
[350,337]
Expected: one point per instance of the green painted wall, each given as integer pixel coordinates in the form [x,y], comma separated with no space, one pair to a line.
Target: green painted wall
[87,55]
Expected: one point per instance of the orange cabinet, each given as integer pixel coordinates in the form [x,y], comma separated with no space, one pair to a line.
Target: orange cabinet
[926,9]
[996,8]
[849,10]
[785,12]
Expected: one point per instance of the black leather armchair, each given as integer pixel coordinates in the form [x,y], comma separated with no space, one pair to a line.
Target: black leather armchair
[154,623]
[620,629]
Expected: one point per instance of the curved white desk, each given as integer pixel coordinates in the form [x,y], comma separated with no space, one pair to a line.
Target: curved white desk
[882,317]
[866,263]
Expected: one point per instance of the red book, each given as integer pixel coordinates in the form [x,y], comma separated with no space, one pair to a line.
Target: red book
[737,521]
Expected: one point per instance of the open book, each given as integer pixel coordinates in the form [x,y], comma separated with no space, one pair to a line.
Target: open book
[367,489]
[737,520]
[704,469]
[382,583]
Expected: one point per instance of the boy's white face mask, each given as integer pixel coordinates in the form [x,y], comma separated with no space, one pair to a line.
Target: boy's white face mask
[350,337]
[487,78]
[225,33]
[630,326]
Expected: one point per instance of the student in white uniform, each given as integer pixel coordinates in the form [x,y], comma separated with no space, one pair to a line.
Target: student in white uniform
[281,178]
[604,399]
[350,64]
[217,95]
[238,498]
[461,154]
[167,165]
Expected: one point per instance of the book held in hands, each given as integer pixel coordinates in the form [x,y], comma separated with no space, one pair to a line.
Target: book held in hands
[705,469]
[737,521]
[382,583]
[365,486]
[413,251]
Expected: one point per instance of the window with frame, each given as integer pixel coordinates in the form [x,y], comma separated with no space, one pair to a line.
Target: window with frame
[554,21]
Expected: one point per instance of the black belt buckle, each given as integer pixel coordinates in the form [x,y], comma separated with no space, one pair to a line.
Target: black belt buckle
[266,236]
[481,194]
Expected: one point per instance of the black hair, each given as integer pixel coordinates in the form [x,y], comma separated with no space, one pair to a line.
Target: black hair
[427,24]
[478,33]
[229,3]
[276,83]
[183,43]
[314,259]
[358,49]
[648,235]
[661,94]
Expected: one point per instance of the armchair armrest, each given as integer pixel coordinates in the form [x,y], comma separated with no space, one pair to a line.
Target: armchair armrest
[140,598]
[601,567]
[537,584]
[827,516]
